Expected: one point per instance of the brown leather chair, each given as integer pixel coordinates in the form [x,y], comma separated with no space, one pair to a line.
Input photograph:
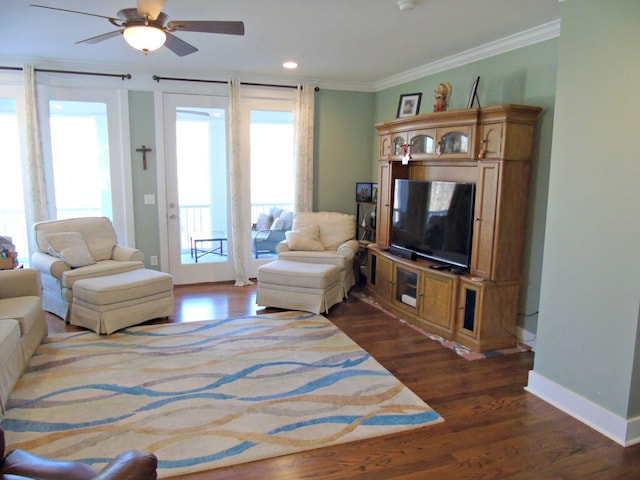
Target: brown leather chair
[21,465]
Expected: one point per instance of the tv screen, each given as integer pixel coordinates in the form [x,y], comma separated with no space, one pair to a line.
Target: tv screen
[434,220]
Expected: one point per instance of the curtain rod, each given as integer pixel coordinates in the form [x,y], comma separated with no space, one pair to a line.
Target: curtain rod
[158,78]
[123,76]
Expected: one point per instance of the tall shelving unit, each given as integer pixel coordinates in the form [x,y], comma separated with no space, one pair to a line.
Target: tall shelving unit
[490,147]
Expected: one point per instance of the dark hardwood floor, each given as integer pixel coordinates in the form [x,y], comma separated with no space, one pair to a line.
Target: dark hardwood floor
[493,429]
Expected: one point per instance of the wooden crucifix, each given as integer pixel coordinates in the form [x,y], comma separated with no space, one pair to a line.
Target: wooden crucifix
[144,151]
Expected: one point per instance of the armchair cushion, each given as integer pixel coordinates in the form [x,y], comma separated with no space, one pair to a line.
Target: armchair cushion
[21,282]
[70,247]
[335,228]
[305,238]
[98,233]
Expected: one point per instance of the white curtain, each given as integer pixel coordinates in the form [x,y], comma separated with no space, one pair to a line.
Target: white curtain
[38,204]
[303,138]
[239,226]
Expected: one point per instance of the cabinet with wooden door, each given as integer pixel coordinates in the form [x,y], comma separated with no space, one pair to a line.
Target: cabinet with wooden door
[410,289]
[388,171]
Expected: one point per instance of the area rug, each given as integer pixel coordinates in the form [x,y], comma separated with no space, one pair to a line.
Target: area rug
[462,350]
[204,395]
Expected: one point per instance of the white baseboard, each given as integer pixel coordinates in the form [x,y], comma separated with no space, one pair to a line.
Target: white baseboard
[526,337]
[620,430]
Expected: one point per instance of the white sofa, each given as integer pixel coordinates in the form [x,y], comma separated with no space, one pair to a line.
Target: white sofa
[325,238]
[22,325]
[76,249]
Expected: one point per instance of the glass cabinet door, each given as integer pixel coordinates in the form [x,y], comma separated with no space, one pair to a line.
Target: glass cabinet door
[455,142]
[399,140]
[406,291]
[422,144]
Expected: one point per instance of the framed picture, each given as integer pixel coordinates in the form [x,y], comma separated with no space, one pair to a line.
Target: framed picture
[474,93]
[374,192]
[363,192]
[409,105]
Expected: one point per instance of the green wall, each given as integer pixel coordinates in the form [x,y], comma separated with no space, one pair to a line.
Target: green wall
[343,152]
[142,132]
[588,337]
[524,76]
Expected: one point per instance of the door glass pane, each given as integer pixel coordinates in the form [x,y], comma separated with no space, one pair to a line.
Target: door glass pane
[80,154]
[12,216]
[422,144]
[202,184]
[455,142]
[272,179]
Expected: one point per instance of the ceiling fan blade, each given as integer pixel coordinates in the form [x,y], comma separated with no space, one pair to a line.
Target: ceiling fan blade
[111,19]
[150,8]
[178,46]
[229,28]
[100,38]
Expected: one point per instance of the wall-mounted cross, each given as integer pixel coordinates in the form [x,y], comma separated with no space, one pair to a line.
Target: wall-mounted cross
[144,151]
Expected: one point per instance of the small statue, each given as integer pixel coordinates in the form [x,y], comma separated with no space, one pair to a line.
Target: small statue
[442,94]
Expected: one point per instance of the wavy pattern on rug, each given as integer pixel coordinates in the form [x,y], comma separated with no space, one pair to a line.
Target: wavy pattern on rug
[206,394]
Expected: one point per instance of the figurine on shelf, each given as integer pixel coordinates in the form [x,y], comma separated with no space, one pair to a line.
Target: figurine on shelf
[442,94]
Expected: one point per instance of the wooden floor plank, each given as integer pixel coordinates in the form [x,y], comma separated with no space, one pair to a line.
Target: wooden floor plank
[493,428]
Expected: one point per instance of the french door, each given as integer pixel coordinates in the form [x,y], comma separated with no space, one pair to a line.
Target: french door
[197,221]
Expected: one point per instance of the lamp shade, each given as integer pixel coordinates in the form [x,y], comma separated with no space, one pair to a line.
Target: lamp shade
[145,37]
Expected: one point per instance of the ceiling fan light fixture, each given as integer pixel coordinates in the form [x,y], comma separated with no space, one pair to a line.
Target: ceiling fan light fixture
[146,38]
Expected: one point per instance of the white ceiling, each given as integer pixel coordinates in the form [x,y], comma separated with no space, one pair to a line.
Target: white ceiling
[357,43]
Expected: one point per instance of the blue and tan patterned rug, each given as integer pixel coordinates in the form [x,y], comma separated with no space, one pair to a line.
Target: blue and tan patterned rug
[206,394]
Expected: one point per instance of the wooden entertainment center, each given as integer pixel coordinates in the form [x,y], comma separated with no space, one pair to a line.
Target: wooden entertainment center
[490,147]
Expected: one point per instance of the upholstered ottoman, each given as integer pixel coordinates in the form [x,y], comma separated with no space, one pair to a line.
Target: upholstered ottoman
[106,304]
[290,285]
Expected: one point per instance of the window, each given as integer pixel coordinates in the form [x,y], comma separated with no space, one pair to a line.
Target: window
[272,162]
[80,158]
[13,222]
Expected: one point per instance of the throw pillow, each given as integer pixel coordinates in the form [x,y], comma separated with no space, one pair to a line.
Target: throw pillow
[70,247]
[275,212]
[306,238]
[278,224]
[264,221]
[287,218]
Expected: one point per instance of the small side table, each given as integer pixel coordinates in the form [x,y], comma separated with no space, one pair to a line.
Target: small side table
[216,240]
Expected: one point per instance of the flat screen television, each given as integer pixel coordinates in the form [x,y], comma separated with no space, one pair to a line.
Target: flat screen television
[434,219]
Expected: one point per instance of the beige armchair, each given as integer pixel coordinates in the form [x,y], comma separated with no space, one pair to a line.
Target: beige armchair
[75,249]
[324,238]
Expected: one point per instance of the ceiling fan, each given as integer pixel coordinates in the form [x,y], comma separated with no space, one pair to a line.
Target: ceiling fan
[146,28]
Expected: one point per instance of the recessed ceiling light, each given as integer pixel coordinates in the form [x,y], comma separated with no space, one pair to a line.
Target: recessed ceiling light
[406,5]
[290,65]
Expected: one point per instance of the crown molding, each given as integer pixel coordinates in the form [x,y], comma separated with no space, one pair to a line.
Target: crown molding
[522,39]
[525,38]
